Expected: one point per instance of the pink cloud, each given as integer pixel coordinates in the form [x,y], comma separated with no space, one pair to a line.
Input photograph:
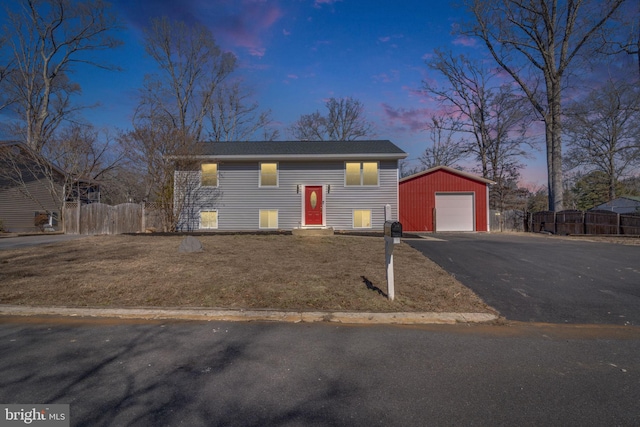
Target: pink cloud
[286,33]
[386,39]
[246,27]
[464,41]
[392,76]
[412,119]
[319,3]
[234,23]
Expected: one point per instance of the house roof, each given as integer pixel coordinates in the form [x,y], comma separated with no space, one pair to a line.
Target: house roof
[19,145]
[622,199]
[622,204]
[297,150]
[451,170]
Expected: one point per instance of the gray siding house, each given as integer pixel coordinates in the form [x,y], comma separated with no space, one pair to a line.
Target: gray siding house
[621,205]
[287,185]
[26,196]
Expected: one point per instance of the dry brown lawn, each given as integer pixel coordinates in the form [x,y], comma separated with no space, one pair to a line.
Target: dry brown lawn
[234,271]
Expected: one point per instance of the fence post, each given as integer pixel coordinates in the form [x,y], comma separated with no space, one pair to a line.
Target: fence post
[78,215]
[143,222]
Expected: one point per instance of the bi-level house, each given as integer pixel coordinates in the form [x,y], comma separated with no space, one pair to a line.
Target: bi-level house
[287,185]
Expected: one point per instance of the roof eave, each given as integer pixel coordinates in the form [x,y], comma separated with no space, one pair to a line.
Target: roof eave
[261,157]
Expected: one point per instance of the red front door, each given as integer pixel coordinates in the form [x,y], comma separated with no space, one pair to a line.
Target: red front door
[313,205]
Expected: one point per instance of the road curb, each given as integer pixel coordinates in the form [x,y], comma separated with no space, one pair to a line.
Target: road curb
[251,315]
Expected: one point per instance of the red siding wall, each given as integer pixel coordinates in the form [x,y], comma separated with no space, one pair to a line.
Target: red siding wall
[418,198]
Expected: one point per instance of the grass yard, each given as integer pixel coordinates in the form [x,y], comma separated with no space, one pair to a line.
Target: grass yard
[234,271]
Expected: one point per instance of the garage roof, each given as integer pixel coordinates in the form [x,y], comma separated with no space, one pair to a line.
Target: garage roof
[448,169]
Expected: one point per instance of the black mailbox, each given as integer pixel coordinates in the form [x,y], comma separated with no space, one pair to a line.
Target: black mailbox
[392,229]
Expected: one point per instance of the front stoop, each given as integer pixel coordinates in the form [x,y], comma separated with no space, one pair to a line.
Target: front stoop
[312,231]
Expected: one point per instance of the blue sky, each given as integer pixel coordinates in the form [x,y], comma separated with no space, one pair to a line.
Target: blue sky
[295,54]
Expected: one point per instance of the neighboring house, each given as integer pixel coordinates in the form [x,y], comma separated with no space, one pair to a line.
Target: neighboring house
[30,195]
[25,205]
[444,199]
[288,185]
[621,205]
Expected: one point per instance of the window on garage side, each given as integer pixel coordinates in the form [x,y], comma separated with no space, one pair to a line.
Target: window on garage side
[268,218]
[361,218]
[209,175]
[369,173]
[361,173]
[208,219]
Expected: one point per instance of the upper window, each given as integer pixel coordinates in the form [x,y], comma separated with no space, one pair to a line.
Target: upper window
[209,175]
[361,173]
[268,174]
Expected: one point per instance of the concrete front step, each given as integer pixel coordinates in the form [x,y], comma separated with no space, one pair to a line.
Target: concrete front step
[312,232]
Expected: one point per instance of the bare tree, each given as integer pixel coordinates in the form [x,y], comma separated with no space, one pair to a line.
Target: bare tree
[493,116]
[345,121]
[6,69]
[535,43]
[626,39]
[603,132]
[235,118]
[175,106]
[148,148]
[444,148]
[191,68]
[48,40]
[468,96]
[309,127]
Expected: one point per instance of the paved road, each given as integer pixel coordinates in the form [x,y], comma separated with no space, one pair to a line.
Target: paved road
[544,278]
[114,373]
[27,241]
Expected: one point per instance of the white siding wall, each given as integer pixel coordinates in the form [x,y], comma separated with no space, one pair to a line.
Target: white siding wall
[239,199]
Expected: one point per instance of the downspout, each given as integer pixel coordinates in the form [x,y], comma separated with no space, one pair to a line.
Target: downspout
[488,211]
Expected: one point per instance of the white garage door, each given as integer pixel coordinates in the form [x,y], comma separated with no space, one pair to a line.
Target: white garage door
[454,212]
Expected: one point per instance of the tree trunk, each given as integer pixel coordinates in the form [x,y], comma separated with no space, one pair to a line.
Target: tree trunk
[554,145]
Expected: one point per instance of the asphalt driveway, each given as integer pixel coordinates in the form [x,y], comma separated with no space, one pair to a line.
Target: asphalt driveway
[537,278]
[37,240]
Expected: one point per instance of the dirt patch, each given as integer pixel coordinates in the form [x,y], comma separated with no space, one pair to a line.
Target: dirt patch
[234,271]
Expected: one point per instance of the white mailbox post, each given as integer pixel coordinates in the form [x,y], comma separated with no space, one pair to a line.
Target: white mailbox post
[392,234]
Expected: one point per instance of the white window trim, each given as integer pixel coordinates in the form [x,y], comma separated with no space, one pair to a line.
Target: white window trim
[217,219]
[362,174]
[353,219]
[217,176]
[260,175]
[277,219]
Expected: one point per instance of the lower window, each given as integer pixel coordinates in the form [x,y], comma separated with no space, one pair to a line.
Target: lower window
[208,219]
[361,219]
[268,218]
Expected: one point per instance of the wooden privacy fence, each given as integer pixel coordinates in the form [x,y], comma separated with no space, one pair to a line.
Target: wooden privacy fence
[590,222]
[99,218]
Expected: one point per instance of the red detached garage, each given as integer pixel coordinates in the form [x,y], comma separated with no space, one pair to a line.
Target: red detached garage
[444,199]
